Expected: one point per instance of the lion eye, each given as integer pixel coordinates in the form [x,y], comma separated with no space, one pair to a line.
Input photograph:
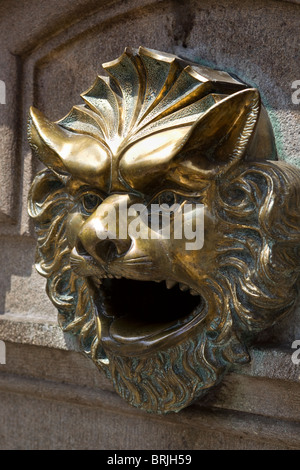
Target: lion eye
[168,198]
[90,202]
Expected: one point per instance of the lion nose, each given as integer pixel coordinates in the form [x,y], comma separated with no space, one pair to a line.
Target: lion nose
[104,251]
[102,245]
[103,235]
[108,250]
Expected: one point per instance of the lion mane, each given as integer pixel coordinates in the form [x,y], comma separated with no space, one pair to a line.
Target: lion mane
[254,286]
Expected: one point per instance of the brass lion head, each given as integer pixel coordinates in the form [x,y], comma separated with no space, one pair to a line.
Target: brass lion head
[165,322]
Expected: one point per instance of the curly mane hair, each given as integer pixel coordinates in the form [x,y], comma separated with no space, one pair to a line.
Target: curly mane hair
[254,285]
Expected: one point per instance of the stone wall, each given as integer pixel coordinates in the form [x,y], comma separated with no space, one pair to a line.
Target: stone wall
[50,395]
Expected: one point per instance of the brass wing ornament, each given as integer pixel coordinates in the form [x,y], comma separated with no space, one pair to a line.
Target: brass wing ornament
[163,318]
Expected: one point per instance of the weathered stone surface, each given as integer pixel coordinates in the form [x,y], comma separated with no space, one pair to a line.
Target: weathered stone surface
[22,290]
[60,401]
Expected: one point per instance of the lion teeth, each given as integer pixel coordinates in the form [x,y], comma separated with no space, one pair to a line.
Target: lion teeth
[104,360]
[183,287]
[193,292]
[170,283]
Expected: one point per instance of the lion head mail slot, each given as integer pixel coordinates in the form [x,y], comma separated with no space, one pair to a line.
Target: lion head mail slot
[167,229]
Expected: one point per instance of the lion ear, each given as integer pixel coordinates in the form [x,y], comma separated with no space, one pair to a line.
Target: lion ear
[63,151]
[221,136]
[45,139]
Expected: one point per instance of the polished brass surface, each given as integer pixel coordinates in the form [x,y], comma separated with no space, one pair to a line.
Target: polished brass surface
[163,321]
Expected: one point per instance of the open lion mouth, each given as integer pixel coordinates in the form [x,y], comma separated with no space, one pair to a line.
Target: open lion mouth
[138,317]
